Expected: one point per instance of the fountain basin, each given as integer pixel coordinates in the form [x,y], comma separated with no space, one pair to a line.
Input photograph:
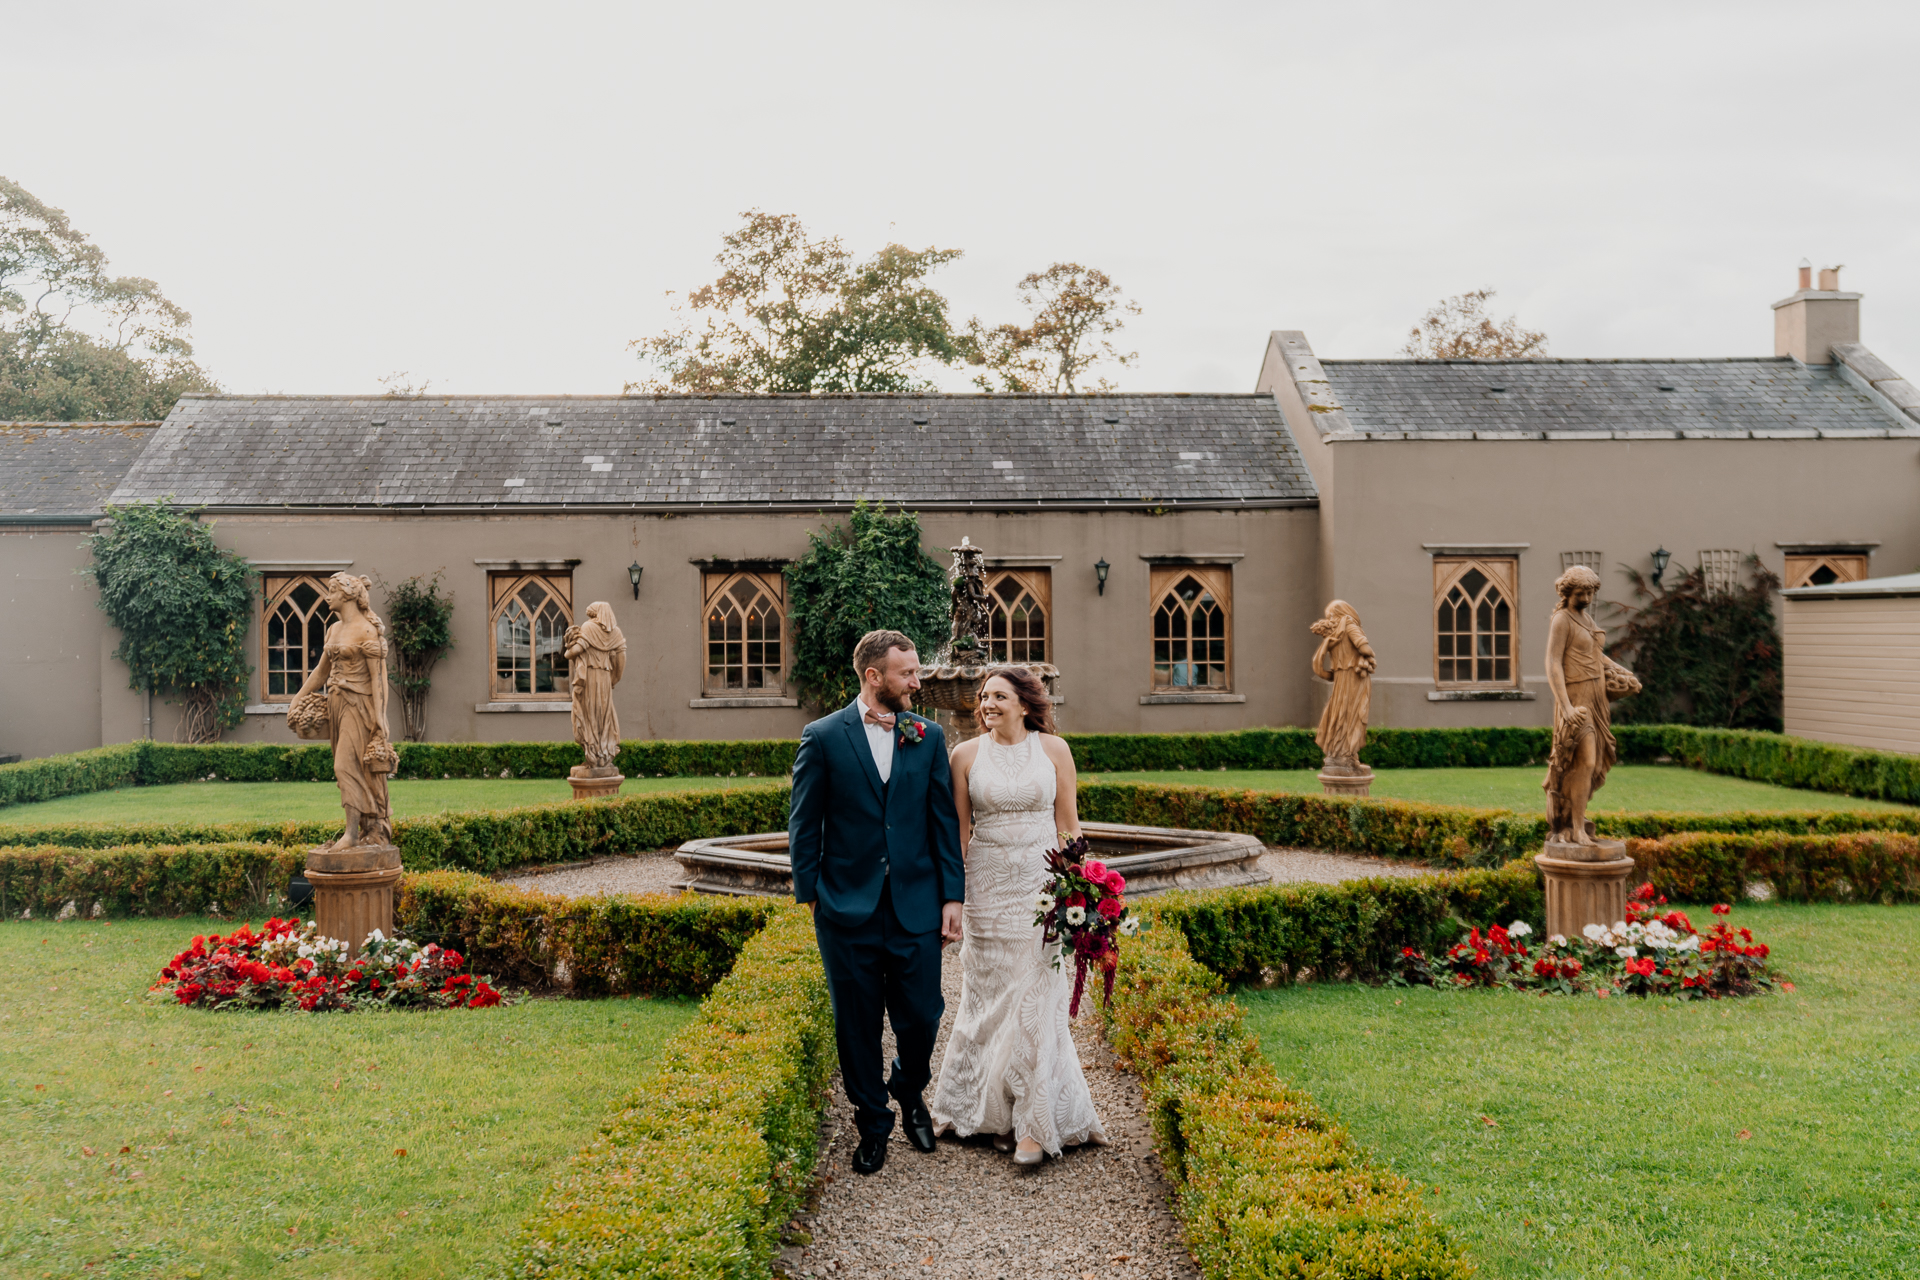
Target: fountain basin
[1153,859]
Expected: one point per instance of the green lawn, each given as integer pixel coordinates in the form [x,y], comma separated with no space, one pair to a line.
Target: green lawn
[320,801]
[1636,787]
[267,1143]
[1767,1137]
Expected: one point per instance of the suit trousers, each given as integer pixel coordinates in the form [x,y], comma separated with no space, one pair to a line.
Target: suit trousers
[873,970]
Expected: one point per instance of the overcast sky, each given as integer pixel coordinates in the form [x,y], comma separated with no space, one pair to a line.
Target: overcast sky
[496,197]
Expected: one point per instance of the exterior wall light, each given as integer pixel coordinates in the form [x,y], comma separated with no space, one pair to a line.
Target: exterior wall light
[1660,559]
[634,571]
[1100,570]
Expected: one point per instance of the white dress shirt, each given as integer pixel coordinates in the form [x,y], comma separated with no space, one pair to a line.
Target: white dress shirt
[878,738]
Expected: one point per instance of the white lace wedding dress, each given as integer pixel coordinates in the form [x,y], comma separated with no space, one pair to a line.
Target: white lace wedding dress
[1010,1064]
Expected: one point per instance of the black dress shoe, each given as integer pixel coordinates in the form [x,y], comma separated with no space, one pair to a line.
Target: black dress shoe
[914,1116]
[870,1156]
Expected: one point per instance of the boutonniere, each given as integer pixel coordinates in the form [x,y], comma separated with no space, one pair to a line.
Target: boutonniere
[912,731]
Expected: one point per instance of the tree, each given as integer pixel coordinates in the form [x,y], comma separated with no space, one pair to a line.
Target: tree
[867,575]
[1705,656]
[420,621]
[1076,311]
[182,606]
[77,343]
[1459,327]
[792,313]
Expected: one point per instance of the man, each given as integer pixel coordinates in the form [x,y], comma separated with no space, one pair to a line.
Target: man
[875,846]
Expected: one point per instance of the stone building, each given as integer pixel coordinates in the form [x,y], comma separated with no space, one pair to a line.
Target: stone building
[1167,552]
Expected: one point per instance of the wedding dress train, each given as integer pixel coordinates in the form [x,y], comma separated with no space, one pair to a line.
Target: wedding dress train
[1010,1063]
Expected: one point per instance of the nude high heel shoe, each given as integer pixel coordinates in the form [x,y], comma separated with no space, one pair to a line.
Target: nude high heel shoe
[1029,1154]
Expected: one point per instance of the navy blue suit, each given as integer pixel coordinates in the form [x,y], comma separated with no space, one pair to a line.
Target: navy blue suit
[880,859]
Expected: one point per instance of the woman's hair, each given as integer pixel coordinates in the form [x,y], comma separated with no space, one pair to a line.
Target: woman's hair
[1036,707]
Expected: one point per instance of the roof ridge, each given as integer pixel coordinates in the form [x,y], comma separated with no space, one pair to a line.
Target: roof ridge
[1536,360]
[808,396]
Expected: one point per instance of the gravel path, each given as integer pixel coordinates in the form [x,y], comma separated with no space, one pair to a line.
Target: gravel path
[656,872]
[967,1212]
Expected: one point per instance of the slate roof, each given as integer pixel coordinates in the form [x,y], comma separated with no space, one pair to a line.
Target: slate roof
[1631,398]
[65,468]
[706,451]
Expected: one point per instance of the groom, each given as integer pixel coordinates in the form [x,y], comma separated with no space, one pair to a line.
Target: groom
[875,846]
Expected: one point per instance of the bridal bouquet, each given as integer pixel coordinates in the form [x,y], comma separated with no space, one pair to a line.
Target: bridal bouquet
[1082,912]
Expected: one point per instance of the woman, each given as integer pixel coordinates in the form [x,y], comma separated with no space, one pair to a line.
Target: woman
[1584,680]
[596,659]
[353,671]
[1346,659]
[1010,1068]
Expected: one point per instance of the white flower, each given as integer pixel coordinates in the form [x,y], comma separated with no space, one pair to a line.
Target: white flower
[1594,933]
[1129,926]
[376,936]
[1519,929]
[1619,926]
[1691,943]
[1625,953]
[1043,902]
[1075,915]
[1557,939]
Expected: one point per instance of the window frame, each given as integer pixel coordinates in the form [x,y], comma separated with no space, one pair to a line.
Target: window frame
[1801,568]
[1035,581]
[716,583]
[1502,572]
[1217,580]
[275,587]
[503,586]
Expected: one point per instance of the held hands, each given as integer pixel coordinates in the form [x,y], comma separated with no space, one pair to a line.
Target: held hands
[949,923]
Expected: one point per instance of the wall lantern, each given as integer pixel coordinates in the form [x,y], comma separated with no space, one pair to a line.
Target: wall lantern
[1100,570]
[1660,559]
[634,571]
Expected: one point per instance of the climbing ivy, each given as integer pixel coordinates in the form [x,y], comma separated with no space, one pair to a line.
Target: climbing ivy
[867,575]
[1705,655]
[420,620]
[182,606]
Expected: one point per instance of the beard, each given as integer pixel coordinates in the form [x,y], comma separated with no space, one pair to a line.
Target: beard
[895,700]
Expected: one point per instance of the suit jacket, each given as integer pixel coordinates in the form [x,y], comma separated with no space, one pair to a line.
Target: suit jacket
[847,833]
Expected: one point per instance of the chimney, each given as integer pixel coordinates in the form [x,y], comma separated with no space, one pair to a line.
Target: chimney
[1808,325]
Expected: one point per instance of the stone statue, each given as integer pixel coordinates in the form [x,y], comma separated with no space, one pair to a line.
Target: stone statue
[1584,680]
[1346,659]
[345,700]
[972,607]
[597,658]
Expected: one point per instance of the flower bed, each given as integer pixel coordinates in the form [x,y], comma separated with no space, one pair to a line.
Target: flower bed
[1267,1184]
[697,1172]
[288,965]
[1655,951]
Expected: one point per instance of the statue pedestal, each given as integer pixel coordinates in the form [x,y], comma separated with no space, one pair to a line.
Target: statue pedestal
[353,891]
[1346,780]
[595,784]
[1586,884]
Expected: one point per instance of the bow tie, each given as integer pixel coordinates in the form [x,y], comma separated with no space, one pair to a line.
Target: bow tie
[882,718]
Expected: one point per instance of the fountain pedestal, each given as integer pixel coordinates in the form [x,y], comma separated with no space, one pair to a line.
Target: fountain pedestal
[353,891]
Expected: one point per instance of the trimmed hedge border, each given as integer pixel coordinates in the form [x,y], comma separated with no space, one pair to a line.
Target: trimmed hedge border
[1267,1183]
[146,879]
[611,944]
[703,1164]
[1764,757]
[1713,867]
[1348,931]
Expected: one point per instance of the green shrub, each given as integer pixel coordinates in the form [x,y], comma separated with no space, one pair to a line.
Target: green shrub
[701,1167]
[146,880]
[1792,762]
[50,777]
[1352,930]
[1712,867]
[1266,1182]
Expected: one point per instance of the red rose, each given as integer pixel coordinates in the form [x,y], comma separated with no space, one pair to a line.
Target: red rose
[1111,908]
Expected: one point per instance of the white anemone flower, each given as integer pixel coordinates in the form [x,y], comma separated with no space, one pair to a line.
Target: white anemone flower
[1043,902]
[1129,927]
[1519,929]
[1076,915]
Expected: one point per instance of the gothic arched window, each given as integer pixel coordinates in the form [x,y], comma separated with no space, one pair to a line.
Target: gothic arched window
[1192,631]
[745,618]
[1017,629]
[531,614]
[1475,641]
[295,633]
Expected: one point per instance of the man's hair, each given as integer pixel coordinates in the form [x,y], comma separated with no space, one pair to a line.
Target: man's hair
[873,649]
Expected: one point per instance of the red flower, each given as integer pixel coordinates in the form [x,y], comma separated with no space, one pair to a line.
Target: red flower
[1721,909]
[1111,908]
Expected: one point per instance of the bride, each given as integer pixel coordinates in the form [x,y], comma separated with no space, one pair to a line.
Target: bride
[1010,1068]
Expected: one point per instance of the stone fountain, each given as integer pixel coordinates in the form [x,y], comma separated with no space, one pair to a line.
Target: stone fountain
[1153,859]
[950,684]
